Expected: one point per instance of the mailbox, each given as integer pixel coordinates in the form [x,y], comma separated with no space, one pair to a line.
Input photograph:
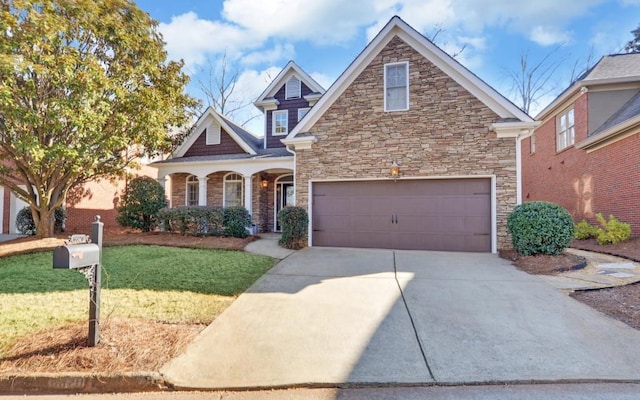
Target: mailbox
[76,256]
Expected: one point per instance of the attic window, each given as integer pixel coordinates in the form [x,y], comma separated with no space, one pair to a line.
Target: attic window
[213,134]
[292,88]
[396,86]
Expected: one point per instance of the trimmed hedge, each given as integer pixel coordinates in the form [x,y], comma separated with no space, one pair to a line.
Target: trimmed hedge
[206,221]
[539,227]
[294,222]
[26,226]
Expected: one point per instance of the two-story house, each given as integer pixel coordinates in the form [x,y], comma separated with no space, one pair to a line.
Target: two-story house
[407,149]
[585,155]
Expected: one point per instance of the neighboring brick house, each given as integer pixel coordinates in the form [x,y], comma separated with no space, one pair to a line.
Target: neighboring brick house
[585,155]
[84,202]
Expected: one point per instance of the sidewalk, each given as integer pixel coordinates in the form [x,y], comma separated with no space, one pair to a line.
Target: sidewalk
[602,271]
[268,245]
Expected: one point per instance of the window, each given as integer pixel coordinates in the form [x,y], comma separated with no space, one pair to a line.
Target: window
[280,123]
[213,134]
[192,191]
[532,138]
[302,112]
[233,190]
[396,86]
[292,88]
[565,130]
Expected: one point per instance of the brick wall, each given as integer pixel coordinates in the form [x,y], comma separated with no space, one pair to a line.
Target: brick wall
[604,181]
[445,132]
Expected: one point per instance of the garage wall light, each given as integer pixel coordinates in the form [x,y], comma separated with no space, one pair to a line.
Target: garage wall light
[394,171]
[264,183]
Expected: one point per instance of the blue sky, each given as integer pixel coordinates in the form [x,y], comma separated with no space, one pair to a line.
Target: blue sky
[324,36]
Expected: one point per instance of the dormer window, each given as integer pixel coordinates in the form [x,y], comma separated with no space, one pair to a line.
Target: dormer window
[213,134]
[396,86]
[292,88]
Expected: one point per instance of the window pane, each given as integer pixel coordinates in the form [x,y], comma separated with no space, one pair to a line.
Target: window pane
[233,194]
[396,98]
[570,118]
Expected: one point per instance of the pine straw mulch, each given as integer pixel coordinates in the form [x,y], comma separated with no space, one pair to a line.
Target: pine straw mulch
[126,345]
[544,264]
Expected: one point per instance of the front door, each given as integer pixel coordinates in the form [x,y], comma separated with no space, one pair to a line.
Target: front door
[284,196]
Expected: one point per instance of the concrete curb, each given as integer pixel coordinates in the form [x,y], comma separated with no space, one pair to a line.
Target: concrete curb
[75,382]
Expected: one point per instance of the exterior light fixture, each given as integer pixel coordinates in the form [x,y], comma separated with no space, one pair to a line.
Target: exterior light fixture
[394,171]
[264,183]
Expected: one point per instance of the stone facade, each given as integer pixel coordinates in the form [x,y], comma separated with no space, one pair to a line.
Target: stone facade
[444,133]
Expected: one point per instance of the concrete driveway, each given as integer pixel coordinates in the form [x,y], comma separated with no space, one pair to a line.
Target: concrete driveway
[330,316]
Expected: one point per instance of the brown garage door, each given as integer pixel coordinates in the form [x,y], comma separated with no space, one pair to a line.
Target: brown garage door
[451,215]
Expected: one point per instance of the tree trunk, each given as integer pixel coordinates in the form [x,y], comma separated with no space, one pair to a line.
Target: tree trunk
[44,222]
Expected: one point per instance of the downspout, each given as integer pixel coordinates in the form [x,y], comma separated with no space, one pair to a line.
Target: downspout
[519,169]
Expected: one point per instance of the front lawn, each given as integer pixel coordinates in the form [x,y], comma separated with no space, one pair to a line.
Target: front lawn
[164,284]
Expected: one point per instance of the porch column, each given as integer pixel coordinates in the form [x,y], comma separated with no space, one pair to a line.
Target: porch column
[162,180]
[248,195]
[202,190]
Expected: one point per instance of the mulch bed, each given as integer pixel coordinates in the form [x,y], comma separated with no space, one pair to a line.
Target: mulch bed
[621,303]
[545,264]
[629,249]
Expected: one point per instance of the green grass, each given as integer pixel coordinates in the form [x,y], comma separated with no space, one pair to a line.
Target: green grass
[150,282]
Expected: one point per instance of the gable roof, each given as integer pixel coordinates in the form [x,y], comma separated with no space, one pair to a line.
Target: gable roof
[611,69]
[630,110]
[397,27]
[246,140]
[289,70]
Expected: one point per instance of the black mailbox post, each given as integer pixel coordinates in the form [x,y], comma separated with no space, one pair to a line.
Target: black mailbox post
[78,254]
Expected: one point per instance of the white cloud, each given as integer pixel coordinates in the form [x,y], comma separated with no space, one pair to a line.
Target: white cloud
[547,36]
[319,21]
[191,38]
[324,80]
[270,56]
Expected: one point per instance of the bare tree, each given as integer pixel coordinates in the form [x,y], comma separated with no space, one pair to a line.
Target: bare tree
[532,80]
[220,88]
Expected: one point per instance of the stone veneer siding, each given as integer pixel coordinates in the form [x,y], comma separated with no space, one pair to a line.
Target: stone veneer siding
[444,133]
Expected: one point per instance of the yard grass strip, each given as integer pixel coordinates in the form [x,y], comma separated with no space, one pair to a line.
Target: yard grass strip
[157,283]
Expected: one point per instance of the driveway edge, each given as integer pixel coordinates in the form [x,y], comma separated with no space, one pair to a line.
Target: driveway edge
[74,382]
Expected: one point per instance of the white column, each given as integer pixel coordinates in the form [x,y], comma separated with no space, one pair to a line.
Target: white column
[202,190]
[248,185]
[162,180]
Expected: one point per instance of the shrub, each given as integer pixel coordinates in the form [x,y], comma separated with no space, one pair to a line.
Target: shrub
[26,226]
[540,227]
[236,222]
[193,220]
[294,222]
[612,231]
[583,230]
[141,200]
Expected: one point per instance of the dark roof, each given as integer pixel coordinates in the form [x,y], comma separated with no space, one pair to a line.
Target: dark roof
[631,109]
[262,153]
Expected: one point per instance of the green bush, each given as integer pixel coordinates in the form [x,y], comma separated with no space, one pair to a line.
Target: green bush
[26,226]
[193,220]
[141,200]
[294,222]
[237,221]
[584,230]
[612,231]
[540,227]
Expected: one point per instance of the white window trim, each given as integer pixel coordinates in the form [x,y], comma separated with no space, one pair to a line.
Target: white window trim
[532,143]
[568,140]
[224,187]
[298,92]
[213,134]
[273,122]
[305,109]
[406,64]
[195,183]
